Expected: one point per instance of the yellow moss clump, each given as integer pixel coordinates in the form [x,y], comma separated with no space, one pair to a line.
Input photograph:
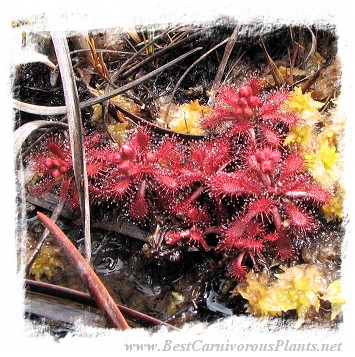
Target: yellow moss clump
[255,289]
[334,209]
[96,116]
[320,147]
[326,167]
[335,296]
[300,137]
[127,103]
[46,262]
[303,104]
[122,101]
[185,118]
[118,131]
[303,136]
[300,288]
[321,162]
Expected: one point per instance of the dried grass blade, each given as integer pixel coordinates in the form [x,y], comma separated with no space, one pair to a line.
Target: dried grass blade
[123,226]
[306,85]
[161,52]
[276,74]
[83,298]
[75,132]
[132,33]
[55,110]
[177,85]
[227,52]
[313,48]
[38,109]
[94,285]
[140,121]
[134,56]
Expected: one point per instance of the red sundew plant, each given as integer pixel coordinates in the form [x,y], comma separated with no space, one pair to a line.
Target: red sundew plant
[281,199]
[248,112]
[237,192]
[205,161]
[52,163]
[280,206]
[138,166]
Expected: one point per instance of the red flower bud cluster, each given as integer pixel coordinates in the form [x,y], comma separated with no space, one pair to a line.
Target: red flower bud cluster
[56,166]
[267,159]
[245,102]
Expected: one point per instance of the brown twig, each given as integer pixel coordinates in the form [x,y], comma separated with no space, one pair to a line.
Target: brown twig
[101,50]
[290,78]
[240,56]
[105,120]
[93,283]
